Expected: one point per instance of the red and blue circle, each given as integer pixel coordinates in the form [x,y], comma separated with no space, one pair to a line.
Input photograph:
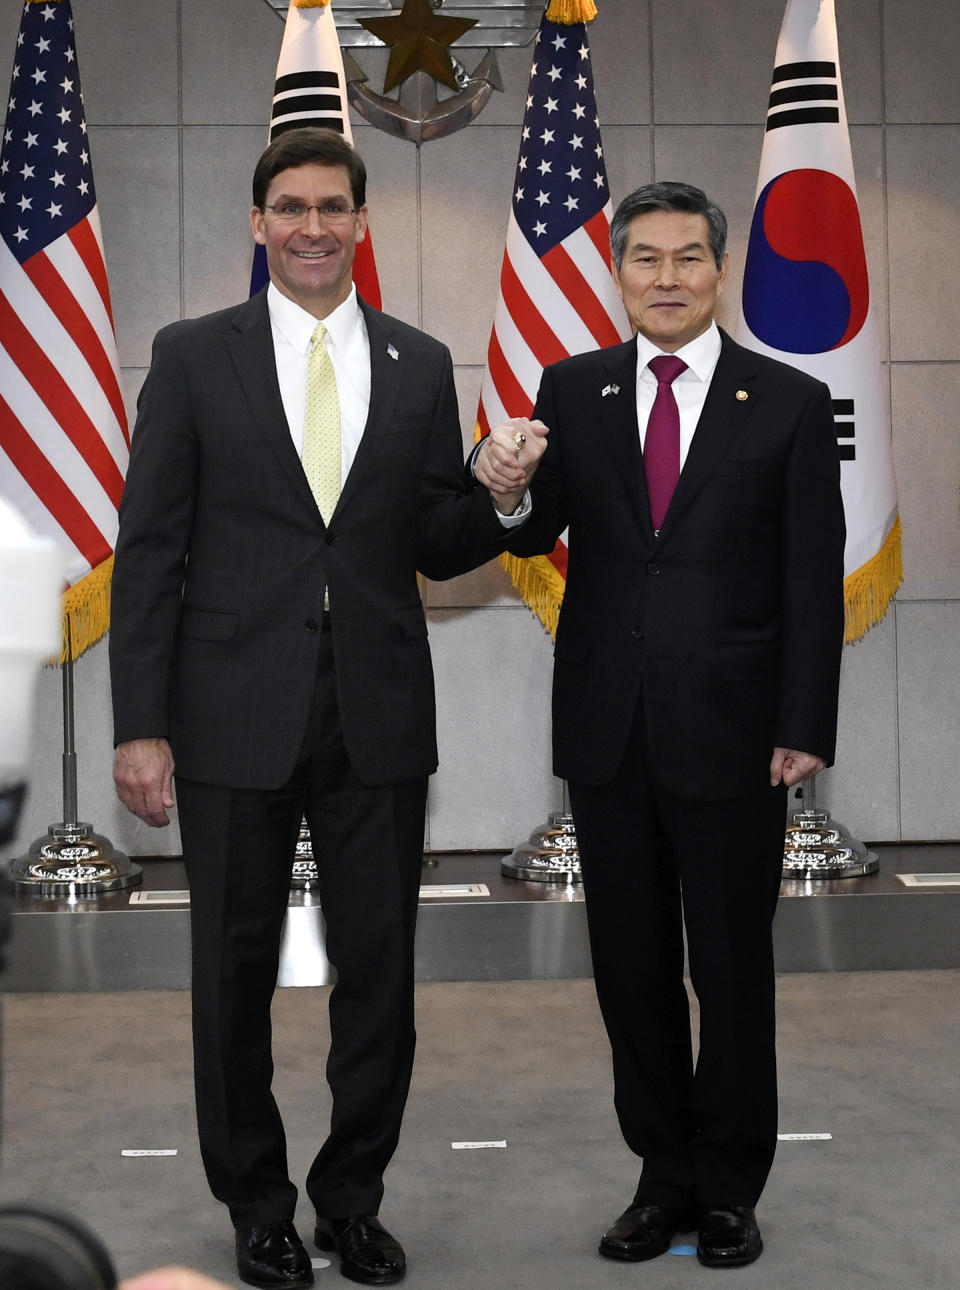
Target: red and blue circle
[805,286]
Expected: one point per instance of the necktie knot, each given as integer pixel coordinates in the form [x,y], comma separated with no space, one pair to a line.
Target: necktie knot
[666,368]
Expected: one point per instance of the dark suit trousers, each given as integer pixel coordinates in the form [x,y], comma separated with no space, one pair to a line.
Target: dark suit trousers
[652,863]
[239,849]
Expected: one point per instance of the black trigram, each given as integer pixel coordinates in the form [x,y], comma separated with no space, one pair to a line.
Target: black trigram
[305,98]
[819,100]
[845,428]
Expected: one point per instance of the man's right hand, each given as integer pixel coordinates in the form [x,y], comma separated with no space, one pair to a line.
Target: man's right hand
[143,775]
[509,459]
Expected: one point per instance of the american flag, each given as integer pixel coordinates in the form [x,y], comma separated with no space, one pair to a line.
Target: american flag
[310,89]
[557,295]
[63,428]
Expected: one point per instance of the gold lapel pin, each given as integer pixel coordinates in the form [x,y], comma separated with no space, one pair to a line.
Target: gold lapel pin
[742,396]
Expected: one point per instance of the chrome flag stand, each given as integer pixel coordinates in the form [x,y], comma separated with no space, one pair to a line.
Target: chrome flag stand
[550,854]
[72,860]
[304,876]
[817,847]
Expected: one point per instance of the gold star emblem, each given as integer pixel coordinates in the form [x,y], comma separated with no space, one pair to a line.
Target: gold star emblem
[418,38]
[742,395]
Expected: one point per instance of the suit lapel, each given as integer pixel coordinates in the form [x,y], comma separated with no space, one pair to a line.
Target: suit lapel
[251,349]
[724,414]
[387,368]
[615,404]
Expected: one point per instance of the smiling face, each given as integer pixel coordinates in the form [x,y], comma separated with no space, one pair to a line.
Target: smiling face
[668,279]
[310,260]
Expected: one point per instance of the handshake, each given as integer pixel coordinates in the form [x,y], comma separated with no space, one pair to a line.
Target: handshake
[507,460]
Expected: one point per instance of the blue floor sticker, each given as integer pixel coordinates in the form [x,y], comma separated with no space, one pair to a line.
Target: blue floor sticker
[683,1249]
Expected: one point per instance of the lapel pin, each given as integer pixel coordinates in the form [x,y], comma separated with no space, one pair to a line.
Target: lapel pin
[742,396]
[392,351]
[609,389]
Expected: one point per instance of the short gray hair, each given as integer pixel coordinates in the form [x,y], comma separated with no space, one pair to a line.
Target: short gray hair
[668,196]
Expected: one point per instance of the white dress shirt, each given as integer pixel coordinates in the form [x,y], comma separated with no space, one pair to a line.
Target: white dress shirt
[689,388]
[349,349]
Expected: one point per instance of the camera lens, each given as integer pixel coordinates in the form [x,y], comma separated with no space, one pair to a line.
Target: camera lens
[42,1248]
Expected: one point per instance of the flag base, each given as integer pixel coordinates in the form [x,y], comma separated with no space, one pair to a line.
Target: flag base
[551,853]
[304,876]
[817,847]
[73,861]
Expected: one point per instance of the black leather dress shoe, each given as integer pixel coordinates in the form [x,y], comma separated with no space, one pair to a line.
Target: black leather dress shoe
[644,1231]
[271,1255]
[729,1236]
[368,1253]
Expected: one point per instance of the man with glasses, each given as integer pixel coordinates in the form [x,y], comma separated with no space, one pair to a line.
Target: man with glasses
[295,461]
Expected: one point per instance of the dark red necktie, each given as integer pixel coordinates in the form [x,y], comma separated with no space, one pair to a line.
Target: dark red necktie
[661,447]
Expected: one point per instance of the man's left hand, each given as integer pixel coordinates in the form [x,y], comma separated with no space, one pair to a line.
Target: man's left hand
[790,766]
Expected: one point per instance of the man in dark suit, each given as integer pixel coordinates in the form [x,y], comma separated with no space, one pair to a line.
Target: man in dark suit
[271,639]
[695,679]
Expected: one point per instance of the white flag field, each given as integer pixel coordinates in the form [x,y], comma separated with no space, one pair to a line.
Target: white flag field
[806,293]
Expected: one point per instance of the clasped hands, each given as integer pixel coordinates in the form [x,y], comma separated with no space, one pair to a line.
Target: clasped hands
[509,459]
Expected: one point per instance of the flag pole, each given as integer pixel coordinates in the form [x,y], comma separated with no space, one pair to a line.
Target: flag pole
[551,853]
[72,860]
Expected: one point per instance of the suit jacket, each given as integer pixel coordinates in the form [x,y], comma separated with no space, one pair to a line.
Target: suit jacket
[731,620]
[223,557]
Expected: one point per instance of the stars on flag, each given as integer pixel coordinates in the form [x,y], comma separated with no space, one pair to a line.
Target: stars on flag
[560,121]
[49,185]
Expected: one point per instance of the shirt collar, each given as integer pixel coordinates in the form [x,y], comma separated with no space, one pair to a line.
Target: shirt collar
[297,326]
[700,354]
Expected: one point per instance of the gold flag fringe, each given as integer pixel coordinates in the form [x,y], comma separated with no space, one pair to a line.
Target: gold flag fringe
[868,591]
[310,4]
[86,607]
[540,585]
[568,12]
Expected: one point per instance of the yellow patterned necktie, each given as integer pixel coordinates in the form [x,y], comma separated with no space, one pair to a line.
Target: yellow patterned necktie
[321,427]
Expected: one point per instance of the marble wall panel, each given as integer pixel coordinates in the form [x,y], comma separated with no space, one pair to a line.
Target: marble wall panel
[920,61]
[923,204]
[862,788]
[928,665]
[136,171]
[493,670]
[926,442]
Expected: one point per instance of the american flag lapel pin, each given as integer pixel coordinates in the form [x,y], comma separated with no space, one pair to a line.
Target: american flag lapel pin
[609,389]
[393,352]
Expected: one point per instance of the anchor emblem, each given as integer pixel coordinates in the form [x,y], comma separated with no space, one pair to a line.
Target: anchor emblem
[419,35]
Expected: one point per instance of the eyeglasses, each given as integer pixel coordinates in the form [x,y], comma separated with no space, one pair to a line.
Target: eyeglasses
[332,212]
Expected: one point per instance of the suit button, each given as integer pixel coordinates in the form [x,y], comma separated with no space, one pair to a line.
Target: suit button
[330,538]
[312,625]
[637,634]
[653,568]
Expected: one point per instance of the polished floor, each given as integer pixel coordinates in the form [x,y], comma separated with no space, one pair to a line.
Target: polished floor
[870,1058]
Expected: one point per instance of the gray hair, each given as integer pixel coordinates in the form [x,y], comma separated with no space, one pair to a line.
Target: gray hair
[668,196]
